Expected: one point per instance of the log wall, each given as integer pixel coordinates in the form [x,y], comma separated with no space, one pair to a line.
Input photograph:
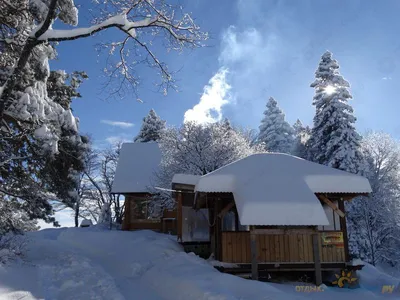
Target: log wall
[296,248]
[154,225]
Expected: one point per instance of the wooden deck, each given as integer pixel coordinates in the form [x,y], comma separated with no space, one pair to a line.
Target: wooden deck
[295,248]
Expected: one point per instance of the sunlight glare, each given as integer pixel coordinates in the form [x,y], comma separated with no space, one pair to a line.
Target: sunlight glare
[329,90]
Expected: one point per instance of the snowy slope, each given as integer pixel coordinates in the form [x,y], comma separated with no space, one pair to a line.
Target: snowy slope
[90,263]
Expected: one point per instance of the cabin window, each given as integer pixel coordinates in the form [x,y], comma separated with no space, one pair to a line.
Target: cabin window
[333,218]
[139,209]
[195,225]
[228,223]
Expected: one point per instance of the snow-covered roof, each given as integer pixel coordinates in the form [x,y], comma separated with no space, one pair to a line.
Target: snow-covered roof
[136,166]
[279,189]
[185,179]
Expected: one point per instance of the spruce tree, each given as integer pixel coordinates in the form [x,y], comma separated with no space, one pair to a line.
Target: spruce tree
[302,134]
[151,129]
[334,141]
[275,132]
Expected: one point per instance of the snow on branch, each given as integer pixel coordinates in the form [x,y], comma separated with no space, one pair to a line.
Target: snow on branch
[183,30]
[119,21]
[142,22]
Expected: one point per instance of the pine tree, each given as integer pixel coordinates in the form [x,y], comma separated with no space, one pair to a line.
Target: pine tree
[152,128]
[39,137]
[334,141]
[302,134]
[275,132]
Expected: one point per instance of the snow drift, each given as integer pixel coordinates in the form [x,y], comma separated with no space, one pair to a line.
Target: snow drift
[92,263]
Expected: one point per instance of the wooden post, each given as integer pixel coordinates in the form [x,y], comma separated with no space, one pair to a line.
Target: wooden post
[211,218]
[331,205]
[343,228]
[217,232]
[127,213]
[164,227]
[179,216]
[317,259]
[226,209]
[253,248]
[236,219]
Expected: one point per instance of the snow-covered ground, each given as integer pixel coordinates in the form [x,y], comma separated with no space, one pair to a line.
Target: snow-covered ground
[91,263]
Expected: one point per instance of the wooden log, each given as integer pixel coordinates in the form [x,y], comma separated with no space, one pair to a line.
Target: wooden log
[284,231]
[331,205]
[227,208]
[317,260]
[254,262]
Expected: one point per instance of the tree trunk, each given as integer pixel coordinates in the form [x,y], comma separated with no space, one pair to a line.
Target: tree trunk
[15,76]
[76,217]
[31,43]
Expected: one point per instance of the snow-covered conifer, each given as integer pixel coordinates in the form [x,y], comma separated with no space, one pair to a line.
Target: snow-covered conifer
[302,134]
[275,132]
[334,140]
[152,128]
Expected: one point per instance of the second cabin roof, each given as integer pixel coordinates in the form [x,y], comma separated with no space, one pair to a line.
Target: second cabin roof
[279,189]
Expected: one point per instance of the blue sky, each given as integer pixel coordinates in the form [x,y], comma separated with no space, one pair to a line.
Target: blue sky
[258,49]
[271,48]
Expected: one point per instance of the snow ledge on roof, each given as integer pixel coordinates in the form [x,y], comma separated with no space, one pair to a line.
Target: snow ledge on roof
[279,189]
[186,179]
[136,167]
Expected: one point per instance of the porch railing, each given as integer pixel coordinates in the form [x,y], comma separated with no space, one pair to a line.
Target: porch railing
[296,248]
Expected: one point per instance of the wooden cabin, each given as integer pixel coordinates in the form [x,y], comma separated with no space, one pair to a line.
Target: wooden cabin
[273,213]
[137,164]
[193,230]
[264,213]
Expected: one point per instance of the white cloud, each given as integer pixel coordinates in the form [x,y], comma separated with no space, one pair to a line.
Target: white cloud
[118,123]
[114,139]
[386,78]
[215,95]
[248,50]
[248,54]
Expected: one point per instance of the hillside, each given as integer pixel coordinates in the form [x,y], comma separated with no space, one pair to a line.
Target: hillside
[91,263]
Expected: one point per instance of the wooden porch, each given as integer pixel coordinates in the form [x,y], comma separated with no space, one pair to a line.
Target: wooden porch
[279,248]
[283,249]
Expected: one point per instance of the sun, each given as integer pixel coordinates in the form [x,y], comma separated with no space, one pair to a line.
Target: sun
[329,90]
[344,278]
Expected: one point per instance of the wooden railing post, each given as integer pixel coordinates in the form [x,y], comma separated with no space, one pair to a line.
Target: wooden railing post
[253,247]
[179,216]
[317,259]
